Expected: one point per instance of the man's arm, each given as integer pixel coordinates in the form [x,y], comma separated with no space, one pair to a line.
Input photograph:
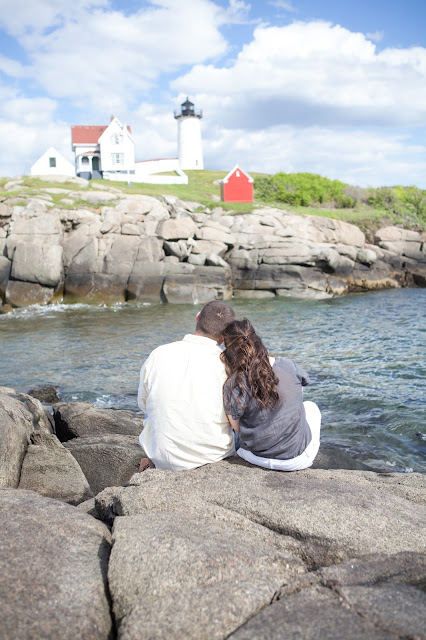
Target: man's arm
[143,391]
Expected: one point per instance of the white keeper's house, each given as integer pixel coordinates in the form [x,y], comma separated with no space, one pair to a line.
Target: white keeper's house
[103,149]
[108,152]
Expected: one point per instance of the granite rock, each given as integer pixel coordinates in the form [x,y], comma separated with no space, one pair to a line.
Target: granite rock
[54,562]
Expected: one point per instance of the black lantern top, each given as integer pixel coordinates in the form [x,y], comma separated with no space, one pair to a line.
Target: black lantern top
[187,109]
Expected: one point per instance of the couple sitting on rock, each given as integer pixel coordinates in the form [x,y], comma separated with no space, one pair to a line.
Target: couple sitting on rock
[197,397]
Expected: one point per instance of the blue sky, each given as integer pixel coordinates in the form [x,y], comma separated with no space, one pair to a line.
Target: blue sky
[337,88]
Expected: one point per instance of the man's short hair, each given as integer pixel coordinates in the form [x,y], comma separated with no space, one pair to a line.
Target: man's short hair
[214,318]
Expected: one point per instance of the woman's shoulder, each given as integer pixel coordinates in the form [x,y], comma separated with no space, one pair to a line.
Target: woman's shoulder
[283,363]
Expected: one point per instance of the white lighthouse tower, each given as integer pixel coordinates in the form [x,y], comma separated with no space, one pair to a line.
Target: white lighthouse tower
[190,151]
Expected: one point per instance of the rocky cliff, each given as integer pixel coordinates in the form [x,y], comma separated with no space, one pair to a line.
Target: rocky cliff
[112,247]
[225,550]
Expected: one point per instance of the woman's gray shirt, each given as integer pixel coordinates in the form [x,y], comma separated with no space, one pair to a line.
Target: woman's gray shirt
[281,433]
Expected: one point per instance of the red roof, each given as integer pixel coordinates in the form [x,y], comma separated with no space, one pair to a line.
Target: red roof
[82,134]
[86,135]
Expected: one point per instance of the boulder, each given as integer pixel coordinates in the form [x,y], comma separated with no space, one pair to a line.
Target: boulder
[111,220]
[138,204]
[366,256]
[178,248]
[54,561]
[379,276]
[120,259]
[288,253]
[198,287]
[293,280]
[212,234]
[5,266]
[337,231]
[77,419]
[76,241]
[40,263]
[301,526]
[94,288]
[374,596]
[396,234]
[150,250]
[208,246]
[404,248]
[213,260]
[146,280]
[130,229]
[197,259]
[325,517]
[23,294]
[157,213]
[107,460]
[205,563]
[16,427]
[50,470]
[47,394]
[34,226]
[81,256]
[176,229]
[98,197]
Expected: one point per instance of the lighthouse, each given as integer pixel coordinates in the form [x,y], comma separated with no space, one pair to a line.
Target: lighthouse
[190,151]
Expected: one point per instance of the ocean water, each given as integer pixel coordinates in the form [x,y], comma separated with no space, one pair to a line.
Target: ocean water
[365,353]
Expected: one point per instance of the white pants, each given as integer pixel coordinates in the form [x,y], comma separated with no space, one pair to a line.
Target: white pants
[306,459]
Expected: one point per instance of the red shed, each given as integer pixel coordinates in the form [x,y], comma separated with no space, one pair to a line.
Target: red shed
[237,186]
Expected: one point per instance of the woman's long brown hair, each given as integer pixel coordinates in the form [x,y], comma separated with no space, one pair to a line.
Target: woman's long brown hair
[247,365]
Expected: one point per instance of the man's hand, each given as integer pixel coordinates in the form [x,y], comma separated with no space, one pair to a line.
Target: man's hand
[145,464]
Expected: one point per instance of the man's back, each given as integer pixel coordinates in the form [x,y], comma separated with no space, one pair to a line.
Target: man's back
[180,390]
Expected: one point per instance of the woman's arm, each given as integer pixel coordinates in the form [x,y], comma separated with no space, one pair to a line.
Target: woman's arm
[235,424]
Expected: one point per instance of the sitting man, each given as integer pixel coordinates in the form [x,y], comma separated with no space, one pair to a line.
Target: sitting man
[180,393]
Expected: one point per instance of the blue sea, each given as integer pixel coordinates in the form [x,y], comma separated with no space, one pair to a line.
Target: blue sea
[365,353]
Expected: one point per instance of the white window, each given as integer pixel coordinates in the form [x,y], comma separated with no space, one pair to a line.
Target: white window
[117,158]
[238,174]
[85,160]
[117,138]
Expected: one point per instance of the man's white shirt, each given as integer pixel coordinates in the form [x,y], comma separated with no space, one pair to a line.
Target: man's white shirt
[180,391]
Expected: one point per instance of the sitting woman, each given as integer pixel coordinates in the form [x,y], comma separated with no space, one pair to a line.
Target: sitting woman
[263,398]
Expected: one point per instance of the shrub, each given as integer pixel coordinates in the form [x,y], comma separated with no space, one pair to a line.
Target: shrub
[415,200]
[301,189]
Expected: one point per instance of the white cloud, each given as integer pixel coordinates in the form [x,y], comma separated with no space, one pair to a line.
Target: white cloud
[19,17]
[281,4]
[376,36]
[102,59]
[314,73]
[27,129]
[357,157]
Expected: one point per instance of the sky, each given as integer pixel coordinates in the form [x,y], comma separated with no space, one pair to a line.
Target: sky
[334,87]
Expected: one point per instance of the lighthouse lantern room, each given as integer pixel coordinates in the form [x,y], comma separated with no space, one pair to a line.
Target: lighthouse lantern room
[190,150]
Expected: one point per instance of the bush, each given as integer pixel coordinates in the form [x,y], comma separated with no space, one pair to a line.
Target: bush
[415,200]
[302,189]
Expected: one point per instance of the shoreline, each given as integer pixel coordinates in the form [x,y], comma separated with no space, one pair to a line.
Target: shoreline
[138,249]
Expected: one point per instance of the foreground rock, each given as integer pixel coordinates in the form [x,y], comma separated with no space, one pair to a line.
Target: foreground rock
[226,550]
[142,249]
[223,524]
[20,417]
[377,597]
[108,460]
[54,560]
[77,419]
[51,470]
